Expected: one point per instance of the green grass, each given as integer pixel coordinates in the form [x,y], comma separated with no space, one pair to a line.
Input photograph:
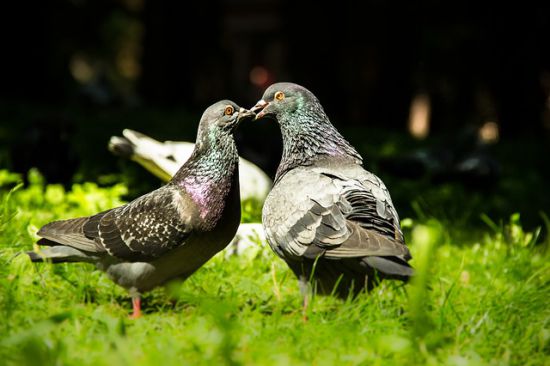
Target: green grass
[480,298]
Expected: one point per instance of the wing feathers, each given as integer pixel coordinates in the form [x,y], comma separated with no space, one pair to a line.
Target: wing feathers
[70,233]
[143,229]
[343,219]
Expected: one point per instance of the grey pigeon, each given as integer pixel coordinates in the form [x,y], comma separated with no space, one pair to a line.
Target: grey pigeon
[327,217]
[163,159]
[170,232]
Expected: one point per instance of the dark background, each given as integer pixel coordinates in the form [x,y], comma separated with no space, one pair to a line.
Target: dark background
[76,72]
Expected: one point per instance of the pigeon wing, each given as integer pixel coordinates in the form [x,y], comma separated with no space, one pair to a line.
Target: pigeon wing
[333,215]
[147,227]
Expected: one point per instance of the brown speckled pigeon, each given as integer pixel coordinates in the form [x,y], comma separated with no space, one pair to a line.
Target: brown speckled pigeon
[170,232]
[326,216]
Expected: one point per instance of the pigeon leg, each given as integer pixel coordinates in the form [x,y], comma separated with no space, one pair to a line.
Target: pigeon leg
[305,290]
[136,304]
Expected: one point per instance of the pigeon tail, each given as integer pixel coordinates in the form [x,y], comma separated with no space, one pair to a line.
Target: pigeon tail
[391,267]
[60,254]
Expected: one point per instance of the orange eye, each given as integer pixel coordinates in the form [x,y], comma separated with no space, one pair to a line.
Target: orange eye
[229,110]
[279,95]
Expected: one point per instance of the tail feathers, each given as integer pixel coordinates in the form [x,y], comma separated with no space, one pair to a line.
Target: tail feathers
[391,267]
[60,254]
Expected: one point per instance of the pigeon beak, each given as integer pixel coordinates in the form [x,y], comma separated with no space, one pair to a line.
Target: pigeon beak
[259,107]
[245,114]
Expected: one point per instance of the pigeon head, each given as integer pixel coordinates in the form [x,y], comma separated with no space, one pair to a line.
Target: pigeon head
[215,156]
[307,131]
[220,120]
[282,100]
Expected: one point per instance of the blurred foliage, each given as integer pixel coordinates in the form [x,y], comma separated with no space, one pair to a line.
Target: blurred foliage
[251,210]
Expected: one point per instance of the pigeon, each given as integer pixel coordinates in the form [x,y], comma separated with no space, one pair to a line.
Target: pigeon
[170,232]
[332,221]
[163,159]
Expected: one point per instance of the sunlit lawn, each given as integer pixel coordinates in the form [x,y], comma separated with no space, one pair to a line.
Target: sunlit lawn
[481,299]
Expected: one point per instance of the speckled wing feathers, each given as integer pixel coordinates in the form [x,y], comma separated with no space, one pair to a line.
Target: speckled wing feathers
[146,228]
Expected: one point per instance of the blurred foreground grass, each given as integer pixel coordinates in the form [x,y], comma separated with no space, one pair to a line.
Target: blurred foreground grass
[480,297]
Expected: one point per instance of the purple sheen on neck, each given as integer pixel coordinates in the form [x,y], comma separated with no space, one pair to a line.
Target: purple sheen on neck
[199,192]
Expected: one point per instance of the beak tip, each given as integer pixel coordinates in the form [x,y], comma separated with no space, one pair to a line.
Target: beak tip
[246,114]
[259,106]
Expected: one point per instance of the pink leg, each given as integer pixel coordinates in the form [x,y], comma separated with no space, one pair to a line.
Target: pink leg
[136,303]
